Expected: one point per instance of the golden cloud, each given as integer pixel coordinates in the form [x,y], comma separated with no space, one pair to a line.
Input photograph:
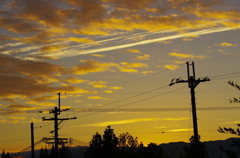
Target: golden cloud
[171,67]
[81,40]
[108,91]
[102,124]
[97,97]
[91,66]
[147,72]
[74,80]
[131,50]
[144,57]
[36,77]
[181,130]
[98,84]
[98,55]
[51,48]
[175,119]
[181,55]
[116,87]
[20,107]
[225,44]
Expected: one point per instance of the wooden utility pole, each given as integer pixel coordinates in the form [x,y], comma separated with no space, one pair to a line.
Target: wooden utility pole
[192,84]
[32,140]
[57,141]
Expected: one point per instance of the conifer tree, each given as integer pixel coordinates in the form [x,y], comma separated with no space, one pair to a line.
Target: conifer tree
[3,154]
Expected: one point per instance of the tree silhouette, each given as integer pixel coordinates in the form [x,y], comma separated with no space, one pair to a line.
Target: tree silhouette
[189,152]
[3,154]
[64,152]
[95,147]
[41,153]
[127,145]
[103,146]
[124,146]
[231,154]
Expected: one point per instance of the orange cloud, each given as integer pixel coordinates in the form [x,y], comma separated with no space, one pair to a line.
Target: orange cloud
[144,57]
[225,44]
[91,66]
[171,67]
[52,48]
[74,80]
[97,97]
[98,84]
[181,55]
[98,55]
[131,50]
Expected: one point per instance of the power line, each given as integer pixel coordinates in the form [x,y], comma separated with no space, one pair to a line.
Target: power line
[130,97]
[160,109]
[225,74]
[134,102]
[200,62]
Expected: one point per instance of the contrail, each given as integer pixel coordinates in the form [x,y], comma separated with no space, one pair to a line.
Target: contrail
[171,37]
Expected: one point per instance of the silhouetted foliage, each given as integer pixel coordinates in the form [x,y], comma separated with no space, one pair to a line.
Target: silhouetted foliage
[229,153]
[41,154]
[103,146]
[52,152]
[125,146]
[3,154]
[234,100]
[8,155]
[189,152]
[64,152]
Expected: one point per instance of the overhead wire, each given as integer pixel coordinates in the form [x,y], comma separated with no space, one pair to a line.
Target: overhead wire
[129,97]
[134,102]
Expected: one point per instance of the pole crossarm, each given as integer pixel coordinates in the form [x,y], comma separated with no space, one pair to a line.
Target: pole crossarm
[57,121]
[192,84]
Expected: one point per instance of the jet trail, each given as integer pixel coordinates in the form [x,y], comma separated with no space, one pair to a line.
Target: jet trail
[75,52]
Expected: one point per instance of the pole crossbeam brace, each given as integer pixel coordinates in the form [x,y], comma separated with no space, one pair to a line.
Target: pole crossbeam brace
[192,84]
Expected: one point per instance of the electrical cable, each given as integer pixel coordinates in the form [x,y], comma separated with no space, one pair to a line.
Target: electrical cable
[134,102]
[129,97]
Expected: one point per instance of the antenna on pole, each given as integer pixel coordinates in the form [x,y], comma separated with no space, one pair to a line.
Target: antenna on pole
[192,84]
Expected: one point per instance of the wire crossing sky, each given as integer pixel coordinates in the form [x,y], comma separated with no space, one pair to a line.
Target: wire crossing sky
[112,62]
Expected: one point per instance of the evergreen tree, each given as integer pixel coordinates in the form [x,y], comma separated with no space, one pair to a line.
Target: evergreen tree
[45,153]
[95,147]
[8,155]
[41,154]
[64,152]
[190,152]
[110,142]
[3,154]
[52,152]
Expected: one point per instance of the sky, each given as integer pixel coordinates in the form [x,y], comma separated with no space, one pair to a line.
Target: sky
[112,61]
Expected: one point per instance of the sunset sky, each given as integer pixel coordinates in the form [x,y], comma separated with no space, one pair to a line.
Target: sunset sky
[115,59]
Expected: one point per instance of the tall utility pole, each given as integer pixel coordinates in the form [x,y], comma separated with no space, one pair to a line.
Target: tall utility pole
[32,140]
[56,140]
[192,84]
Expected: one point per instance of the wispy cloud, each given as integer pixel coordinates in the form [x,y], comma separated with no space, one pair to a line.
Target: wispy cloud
[175,119]
[75,52]
[102,124]
[181,130]
[181,55]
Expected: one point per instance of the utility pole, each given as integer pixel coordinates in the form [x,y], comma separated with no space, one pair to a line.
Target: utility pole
[32,140]
[57,121]
[192,84]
